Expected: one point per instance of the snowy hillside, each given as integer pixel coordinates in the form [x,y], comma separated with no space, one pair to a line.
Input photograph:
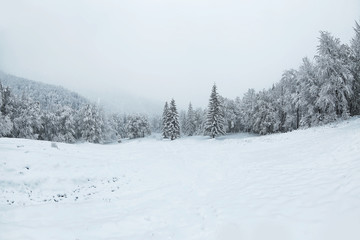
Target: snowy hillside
[299,185]
[49,96]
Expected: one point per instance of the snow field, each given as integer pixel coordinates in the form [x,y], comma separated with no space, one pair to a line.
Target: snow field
[299,185]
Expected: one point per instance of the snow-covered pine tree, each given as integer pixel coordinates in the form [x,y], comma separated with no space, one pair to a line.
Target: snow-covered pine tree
[123,130]
[247,109]
[66,124]
[138,126]
[190,121]
[50,126]
[172,121]
[7,107]
[265,118]
[156,123]
[237,111]
[91,124]
[5,125]
[182,122]
[119,125]
[335,77]
[5,122]
[1,93]
[308,87]
[215,118]
[231,115]
[165,132]
[200,121]
[354,104]
[27,121]
[284,97]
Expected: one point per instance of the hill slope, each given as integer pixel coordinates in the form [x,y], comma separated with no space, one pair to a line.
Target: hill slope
[299,185]
[48,95]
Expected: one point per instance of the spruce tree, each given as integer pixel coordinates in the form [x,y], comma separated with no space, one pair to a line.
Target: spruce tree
[215,116]
[165,133]
[182,122]
[190,121]
[333,73]
[5,122]
[172,123]
[66,124]
[138,126]
[91,124]
[354,104]
[200,121]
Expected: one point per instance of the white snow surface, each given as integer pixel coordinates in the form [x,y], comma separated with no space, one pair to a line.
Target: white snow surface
[299,185]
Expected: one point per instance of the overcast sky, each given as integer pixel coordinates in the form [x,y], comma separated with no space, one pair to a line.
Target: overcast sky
[159,49]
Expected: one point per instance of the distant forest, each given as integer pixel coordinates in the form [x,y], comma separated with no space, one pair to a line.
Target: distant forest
[322,90]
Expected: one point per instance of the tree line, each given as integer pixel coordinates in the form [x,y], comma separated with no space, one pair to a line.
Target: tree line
[21,117]
[319,91]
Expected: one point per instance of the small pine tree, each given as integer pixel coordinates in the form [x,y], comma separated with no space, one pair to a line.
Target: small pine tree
[172,123]
[190,121]
[182,122]
[200,121]
[165,132]
[215,116]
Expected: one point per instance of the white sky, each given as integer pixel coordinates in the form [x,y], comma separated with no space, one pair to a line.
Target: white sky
[159,49]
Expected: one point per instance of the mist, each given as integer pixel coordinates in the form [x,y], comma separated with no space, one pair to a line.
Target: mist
[135,55]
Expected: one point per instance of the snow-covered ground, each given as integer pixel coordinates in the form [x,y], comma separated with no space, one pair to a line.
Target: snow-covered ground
[299,185]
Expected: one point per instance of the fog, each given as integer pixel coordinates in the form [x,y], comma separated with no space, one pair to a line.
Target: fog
[153,50]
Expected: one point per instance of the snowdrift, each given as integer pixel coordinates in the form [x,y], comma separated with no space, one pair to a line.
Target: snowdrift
[299,185]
